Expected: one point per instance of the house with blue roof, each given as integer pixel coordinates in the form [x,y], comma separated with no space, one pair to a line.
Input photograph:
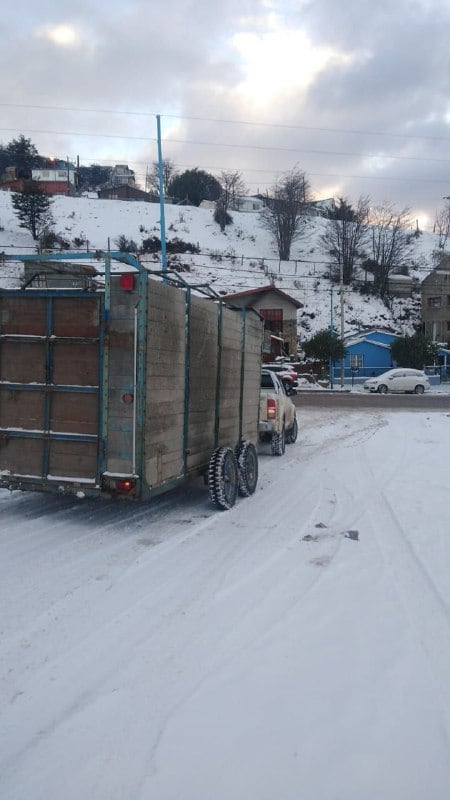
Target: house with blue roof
[368,353]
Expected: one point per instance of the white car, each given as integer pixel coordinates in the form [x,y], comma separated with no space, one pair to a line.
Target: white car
[401,379]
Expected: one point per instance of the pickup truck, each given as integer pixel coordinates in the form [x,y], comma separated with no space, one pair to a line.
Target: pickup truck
[277,418]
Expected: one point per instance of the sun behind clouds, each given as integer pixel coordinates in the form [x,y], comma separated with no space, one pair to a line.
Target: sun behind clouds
[63,35]
[281,60]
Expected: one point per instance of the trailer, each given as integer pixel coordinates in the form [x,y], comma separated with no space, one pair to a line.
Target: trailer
[125,381]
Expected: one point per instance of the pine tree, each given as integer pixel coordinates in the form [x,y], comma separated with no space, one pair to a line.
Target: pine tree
[32,207]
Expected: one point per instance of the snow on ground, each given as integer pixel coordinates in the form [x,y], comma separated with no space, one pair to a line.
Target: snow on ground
[297,646]
[242,257]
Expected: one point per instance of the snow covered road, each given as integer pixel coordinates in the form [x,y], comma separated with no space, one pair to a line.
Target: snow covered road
[294,648]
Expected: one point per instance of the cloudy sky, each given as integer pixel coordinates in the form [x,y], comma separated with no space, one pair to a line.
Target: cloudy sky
[355,93]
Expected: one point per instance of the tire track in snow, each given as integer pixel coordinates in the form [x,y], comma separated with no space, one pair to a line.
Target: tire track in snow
[424,607]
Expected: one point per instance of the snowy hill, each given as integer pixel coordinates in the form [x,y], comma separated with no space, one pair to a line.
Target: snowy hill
[244,256]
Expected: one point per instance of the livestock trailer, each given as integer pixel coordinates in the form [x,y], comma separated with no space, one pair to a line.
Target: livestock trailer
[123,381]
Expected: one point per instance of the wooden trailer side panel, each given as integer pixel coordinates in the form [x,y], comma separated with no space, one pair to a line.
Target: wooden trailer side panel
[194,368]
[252,377]
[165,384]
[203,360]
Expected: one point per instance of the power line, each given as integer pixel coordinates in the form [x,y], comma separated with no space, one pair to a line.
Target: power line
[222,121]
[253,147]
[338,176]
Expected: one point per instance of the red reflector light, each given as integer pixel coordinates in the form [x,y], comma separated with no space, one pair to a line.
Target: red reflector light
[127,282]
[271,408]
[124,486]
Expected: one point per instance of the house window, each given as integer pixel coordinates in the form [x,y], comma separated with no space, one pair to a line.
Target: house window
[448,300]
[448,325]
[356,361]
[434,302]
[62,174]
[273,319]
[45,173]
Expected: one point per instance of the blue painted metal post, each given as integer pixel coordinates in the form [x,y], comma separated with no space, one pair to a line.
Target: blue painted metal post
[161,198]
[48,382]
[331,365]
[242,378]
[187,377]
[218,376]
[104,386]
[141,379]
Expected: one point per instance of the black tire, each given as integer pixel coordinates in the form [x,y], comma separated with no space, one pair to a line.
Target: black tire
[279,443]
[419,389]
[247,461]
[223,478]
[382,389]
[292,433]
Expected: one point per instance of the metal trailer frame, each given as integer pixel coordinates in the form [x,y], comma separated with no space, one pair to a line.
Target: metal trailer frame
[132,483]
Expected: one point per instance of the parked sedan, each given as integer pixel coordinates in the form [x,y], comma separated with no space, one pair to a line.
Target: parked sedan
[398,380]
[285,372]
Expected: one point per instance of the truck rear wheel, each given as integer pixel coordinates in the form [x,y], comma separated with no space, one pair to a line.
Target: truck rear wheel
[223,478]
[291,435]
[279,443]
[247,461]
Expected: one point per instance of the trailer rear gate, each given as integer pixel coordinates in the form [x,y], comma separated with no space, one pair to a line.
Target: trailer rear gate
[49,385]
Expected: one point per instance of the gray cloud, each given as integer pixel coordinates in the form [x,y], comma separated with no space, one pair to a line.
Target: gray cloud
[389,75]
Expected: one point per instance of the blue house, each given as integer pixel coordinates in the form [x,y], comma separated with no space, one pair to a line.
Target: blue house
[367,353]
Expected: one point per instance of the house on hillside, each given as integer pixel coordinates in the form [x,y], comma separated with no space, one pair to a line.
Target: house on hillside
[321,208]
[367,353]
[121,175]
[400,285]
[125,192]
[279,312]
[436,304]
[248,204]
[59,178]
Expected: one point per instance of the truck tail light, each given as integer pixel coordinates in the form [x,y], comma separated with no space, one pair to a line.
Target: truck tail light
[271,408]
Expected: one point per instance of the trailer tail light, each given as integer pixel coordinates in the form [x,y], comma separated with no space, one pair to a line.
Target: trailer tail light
[119,485]
[124,486]
[271,408]
[127,282]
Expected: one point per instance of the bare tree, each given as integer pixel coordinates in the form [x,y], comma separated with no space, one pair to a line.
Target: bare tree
[442,225]
[284,215]
[346,233]
[390,241]
[168,173]
[233,187]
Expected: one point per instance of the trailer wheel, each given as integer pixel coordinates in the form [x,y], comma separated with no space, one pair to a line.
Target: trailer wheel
[247,461]
[223,478]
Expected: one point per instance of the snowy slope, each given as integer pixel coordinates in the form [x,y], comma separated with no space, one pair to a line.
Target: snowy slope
[242,257]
